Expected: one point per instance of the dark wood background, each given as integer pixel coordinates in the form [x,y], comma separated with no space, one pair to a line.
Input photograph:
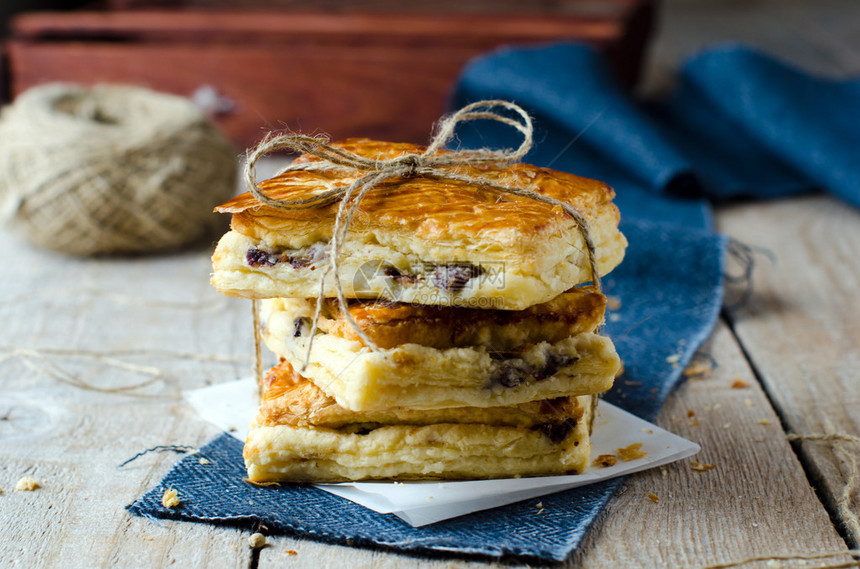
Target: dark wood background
[382,69]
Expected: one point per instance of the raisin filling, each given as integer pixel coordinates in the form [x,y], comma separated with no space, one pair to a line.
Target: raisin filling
[454,277]
[557,432]
[514,371]
[360,428]
[257,257]
[296,259]
[399,277]
[299,324]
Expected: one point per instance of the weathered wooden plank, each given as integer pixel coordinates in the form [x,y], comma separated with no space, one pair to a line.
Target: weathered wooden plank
[364,91]
[756,501]
[301,553]
[801,326]
[382,75]
[65,316]
[349,28]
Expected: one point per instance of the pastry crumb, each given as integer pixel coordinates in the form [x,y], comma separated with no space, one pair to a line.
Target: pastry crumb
[539,505]
[654,498]
[291,552]
[260,484]
[257,540]
[27,484]
[699,368]
[691,413]
[739,383]
[747,402]
[147,538]
[613,302]
[673,359]
[664,473]
[763,421]
[631,452]
[170,499]
[701,467]
[605,460]
[204,461]
[694,424]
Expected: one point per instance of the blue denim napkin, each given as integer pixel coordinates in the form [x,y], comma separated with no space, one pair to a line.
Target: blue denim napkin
[739,124]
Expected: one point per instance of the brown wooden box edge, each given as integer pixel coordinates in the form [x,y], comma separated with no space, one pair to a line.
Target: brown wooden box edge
[386,76]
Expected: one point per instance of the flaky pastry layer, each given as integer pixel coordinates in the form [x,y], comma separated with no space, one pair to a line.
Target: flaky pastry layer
[287,398]
[436,451]
[412,375]
[420,240]
[391,324]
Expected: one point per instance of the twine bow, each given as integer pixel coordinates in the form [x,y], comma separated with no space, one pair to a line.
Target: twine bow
[430,164]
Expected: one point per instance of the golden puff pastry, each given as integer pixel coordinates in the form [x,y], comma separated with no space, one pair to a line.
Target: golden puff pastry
[423,377]
[302,435]
[421,240]
[390,324]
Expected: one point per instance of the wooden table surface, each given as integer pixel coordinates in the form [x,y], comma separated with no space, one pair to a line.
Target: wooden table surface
[95,353]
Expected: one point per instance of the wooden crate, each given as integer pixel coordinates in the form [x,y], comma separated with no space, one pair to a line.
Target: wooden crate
[376,73]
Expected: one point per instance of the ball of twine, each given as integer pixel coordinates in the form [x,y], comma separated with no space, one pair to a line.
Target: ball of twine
[110,169]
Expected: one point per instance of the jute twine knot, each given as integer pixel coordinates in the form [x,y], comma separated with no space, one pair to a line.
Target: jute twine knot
[845,447]
[433,163]
[110,169]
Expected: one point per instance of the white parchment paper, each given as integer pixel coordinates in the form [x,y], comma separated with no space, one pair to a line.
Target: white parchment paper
[232,405]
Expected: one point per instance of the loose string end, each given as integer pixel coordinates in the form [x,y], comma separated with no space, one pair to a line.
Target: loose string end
[258,354]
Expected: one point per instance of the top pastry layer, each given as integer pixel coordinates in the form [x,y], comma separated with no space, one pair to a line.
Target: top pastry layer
[439,220]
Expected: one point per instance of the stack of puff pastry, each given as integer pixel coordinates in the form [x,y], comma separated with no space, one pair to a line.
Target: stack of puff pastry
[485,359]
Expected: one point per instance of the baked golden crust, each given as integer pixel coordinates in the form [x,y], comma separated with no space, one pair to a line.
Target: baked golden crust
[448,451]
[300,435]
[425,233]
[434,210]
[289,399]
[392,324]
